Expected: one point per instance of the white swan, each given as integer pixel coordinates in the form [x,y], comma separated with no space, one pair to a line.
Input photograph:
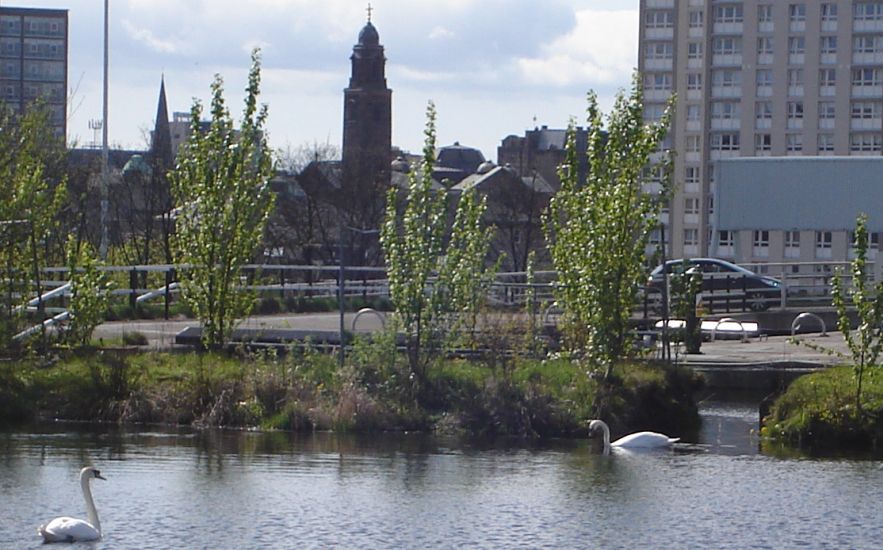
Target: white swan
[638,440]
[66,529]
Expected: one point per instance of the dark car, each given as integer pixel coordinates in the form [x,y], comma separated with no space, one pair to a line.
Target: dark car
[724,279]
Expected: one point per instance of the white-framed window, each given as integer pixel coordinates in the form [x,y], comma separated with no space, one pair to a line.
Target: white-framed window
[866,76]
[691,236]
[867,11]
[691,206]
[765,13]
[726,238]
[865,110]
[659,50]
[796,45]
[865,143]
[657,81]
[761,244]
[694,81]
[827,77]
[827,110]
[823,244]
[728,13]
[659,19]
[726,45]
[763,142]
[795,77]
[795,110]
[797,13]
[828,45]
[765,45]
[727,78]
[692,174]
[692,144]
[867,44]
[794,143]
[763,110]
[764,77]
[792,244]
[829,12]
[653,112]
[826,143]
[697,19]
[725,142]
[693,112]
[694,50]
[725,110]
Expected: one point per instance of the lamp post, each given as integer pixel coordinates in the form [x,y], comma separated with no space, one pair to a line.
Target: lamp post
[341,281]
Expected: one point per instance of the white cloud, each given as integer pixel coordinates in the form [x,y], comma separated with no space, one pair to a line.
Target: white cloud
[440,32]
[146,37]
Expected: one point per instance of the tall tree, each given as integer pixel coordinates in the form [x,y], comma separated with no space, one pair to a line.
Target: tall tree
[30,198]
[435,283]
[598,229]
[222,188]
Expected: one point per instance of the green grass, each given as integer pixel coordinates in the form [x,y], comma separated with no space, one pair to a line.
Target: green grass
[307,391]
[819,411]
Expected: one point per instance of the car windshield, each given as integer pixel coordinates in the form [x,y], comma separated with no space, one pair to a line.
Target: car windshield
[706,265]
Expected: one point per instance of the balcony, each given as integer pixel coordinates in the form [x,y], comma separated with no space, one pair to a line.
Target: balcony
[867,91]
[657,95]
[693,156]
[795,91]
[657,64]
[827,91]
[726,91]
[867,58]
[694,126]
[764,59]
[725,124]
[829,26]
[796,58]
[696,32]
[694,95]
[867,25]
[866,124]
[766,26]
[695,63]
[727,28]
[764,91]
[727,60]
[657,33]
[718,154]
[828,59]
[660,4]
[763,123]
[826,124]
[795,124]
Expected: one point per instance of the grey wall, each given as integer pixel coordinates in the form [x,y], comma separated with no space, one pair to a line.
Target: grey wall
[794,193]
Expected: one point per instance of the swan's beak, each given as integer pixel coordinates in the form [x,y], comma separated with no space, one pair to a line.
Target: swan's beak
[99,476]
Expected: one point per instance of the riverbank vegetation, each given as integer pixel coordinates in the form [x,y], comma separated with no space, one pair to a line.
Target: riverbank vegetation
[304,390]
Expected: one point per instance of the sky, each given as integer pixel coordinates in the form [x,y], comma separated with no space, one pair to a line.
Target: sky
[492,67]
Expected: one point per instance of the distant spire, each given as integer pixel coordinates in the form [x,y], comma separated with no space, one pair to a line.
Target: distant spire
[369,10]
[161,144]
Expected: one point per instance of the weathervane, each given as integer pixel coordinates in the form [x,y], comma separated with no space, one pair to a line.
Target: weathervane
[369,10]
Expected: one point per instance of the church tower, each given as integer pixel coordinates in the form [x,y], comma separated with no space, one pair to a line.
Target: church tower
[367,116]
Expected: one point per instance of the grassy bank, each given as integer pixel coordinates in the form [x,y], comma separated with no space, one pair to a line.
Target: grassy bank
[306,391]
[818,411]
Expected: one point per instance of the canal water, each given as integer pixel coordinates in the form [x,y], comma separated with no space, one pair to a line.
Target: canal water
[224,489]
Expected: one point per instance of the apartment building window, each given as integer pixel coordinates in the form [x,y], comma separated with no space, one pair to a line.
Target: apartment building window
[761,244]
[765,13]
[795,82]
[657,81]
[868,11]
[828,47]
[727,45]
[795,115]
[728,13]
[692,179]
[697,19]
[691,239]
[823,244]
[691,206]
[764,79]
[726,82]
[867,78]
[659,20]
[694,50]
[796,49]
[692,144]
[792,244]
[659,50]
[829,12]
[794,143]
[864,143]
[797,17]
[827,78]
[725,142]
[694,81]
[827,110]
[692,112]
[765,45]
[726,239]
[763,113]
[865,110]
[826,143]
[653,112]
[763,143]
[866,44]
[725,110]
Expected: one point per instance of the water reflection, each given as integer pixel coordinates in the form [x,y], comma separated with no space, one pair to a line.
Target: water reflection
[227,489]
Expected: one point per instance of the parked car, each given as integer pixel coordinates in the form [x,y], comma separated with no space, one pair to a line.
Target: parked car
[720,277]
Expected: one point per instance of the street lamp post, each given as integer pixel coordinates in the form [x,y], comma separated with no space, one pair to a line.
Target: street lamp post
[341,281]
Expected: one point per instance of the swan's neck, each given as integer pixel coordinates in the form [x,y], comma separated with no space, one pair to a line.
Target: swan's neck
[91,512]
[606,432]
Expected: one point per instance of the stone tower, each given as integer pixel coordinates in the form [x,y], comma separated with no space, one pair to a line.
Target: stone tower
[367,117]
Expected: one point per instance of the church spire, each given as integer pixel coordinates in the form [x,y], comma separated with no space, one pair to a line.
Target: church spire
[161,143]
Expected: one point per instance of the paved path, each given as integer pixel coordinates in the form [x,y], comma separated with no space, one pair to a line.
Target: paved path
[161,334]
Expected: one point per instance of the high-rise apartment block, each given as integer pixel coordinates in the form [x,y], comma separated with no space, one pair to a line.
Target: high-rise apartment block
[757,78]
[33,60]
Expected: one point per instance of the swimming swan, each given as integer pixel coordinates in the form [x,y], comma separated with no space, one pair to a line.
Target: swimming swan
[638,440]
[66,529]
